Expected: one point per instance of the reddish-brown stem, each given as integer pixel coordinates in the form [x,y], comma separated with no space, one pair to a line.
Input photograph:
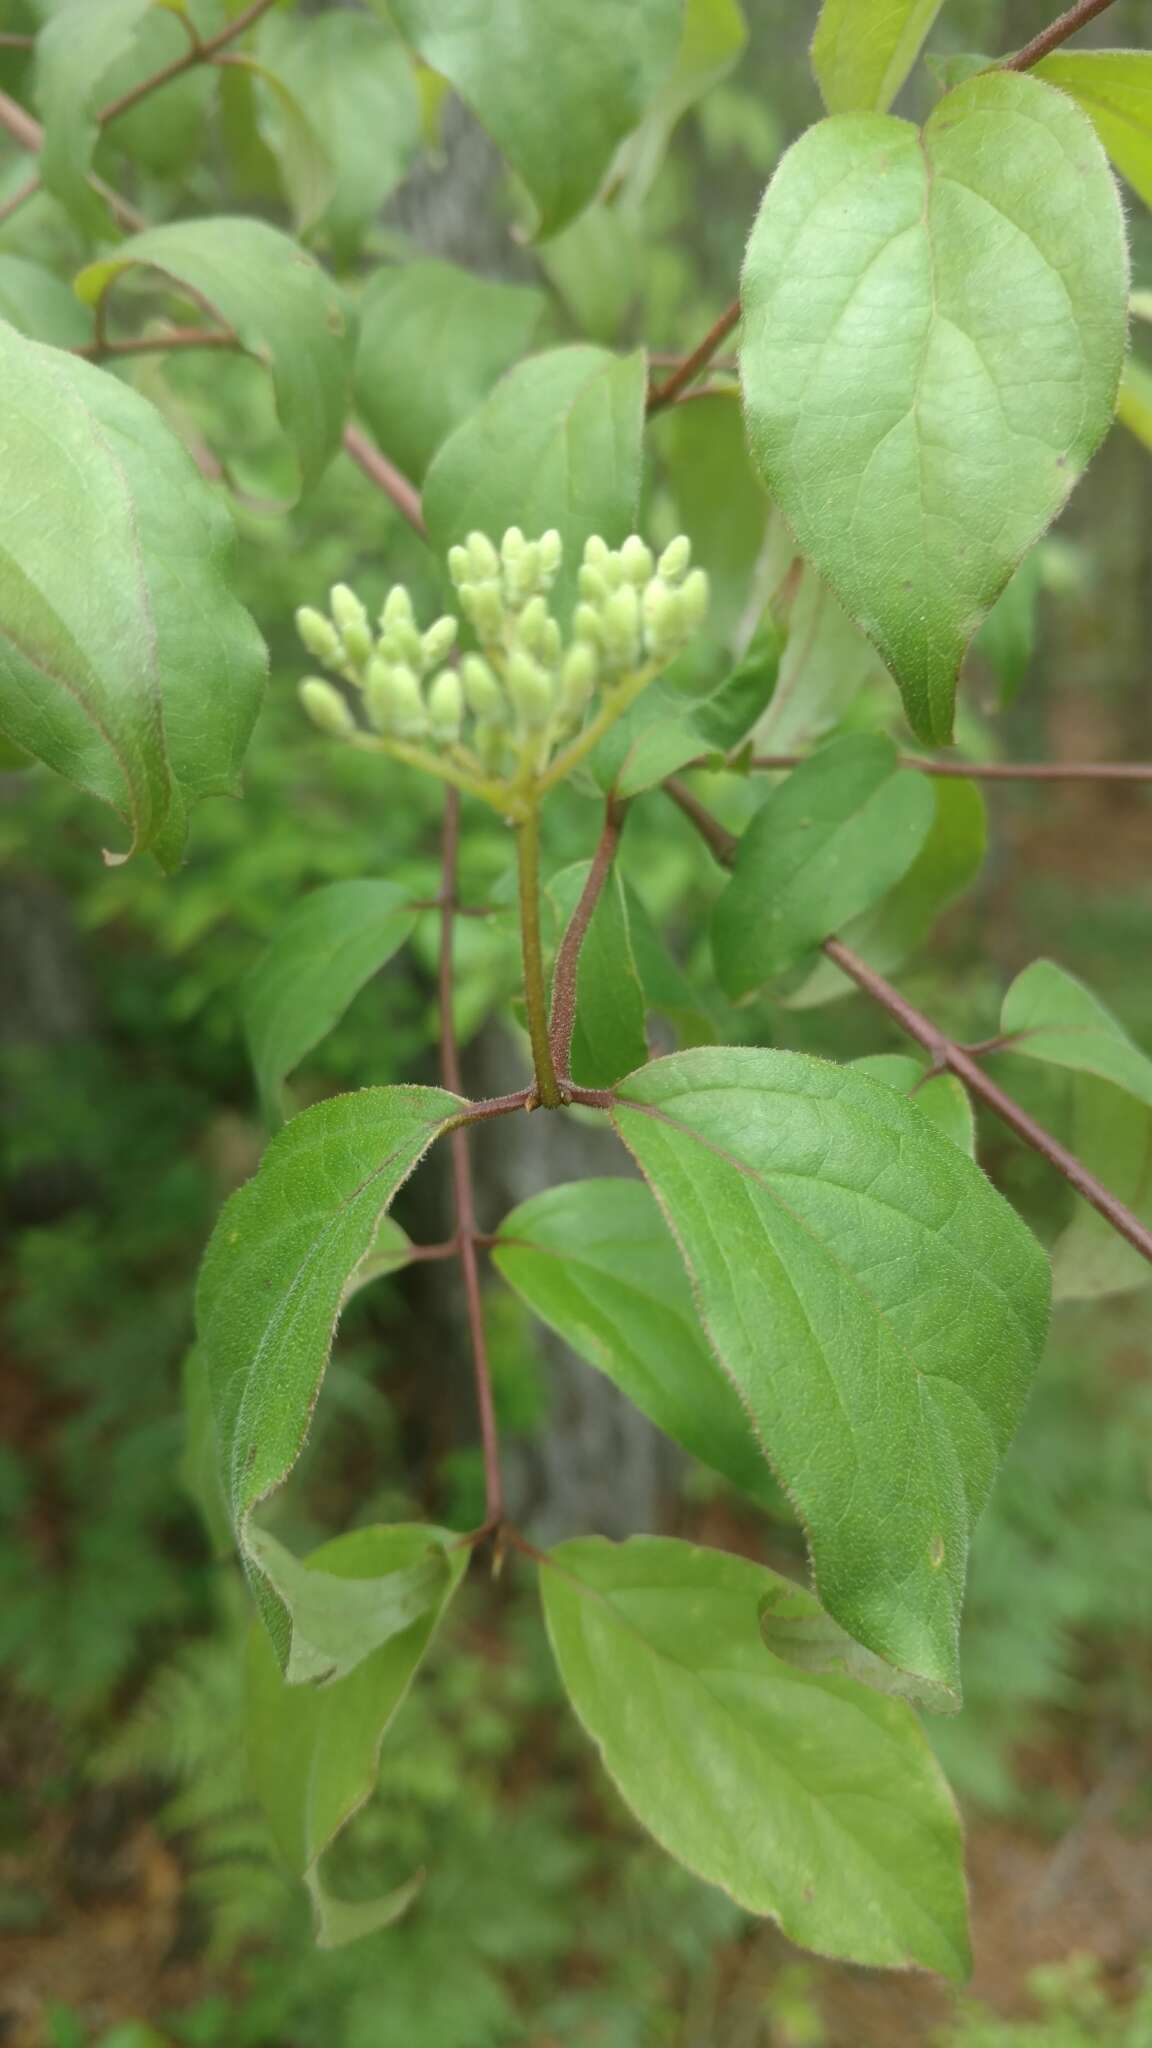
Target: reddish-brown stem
[689,369]
[990,771]
[945,1054]
[462,909]
[1057,32]
[386,477]
[463,1191]
[169,339]
[563,1017]
[200,52]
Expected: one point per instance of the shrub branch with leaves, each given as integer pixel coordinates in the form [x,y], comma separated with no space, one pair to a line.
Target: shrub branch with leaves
[807,1270]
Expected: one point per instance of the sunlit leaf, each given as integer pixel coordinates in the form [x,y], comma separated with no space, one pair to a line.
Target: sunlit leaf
[863,50]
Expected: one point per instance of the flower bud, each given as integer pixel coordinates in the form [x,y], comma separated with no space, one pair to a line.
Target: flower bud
[662,611]
[397,609]
[438,641]
[327,708]
[551,643]
[591,584]
[483,604]
[586,624]
[577,680]
[621,627]
[459,566]
[533,626]
[551,556]
[319,636]
[392,695]
[352,624]
[512,546]
[596,551]
[673,563]
[402,643]
[530,690]
[694,598]
[483,560]
[522,573]
[636,560]
[445,706]
[482,689]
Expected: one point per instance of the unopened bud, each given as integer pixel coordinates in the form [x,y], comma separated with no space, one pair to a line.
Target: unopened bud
[586,624]
[484,606]
[529,690]
[694,598]
[673,563]
[577,680]
[621,627]
[636,560]
[445,706]
[482,690]
[551,643]
[397,610]
[596,551]
[392,696]
[352,621]
[402,643]
[591,584]
[327,708]
[319,636]
[459,566]
[522,573]
[533,626]
[551,556]
[483,560]
[438,641]
[512,546]
[663,616]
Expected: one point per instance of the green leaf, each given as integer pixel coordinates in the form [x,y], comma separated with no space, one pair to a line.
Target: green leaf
[331,944]
[796,1629]
[304,163]
[314,1751]
[596,269]
[595,1261]
[390,1249]
[608,1039]
[808,1798]
[879,1307]
[273,1283]
[126,663]
[433,341]
[40,305]
[337,1622]
[727,716]
[1134,405]
[943,1098]
[75,51]
[654,738]
[357,83]
[667,989]
[164,133]
[558,85]
[863,50]
[1114,87]
[1007,639]
[557,443]
[934,325]
[826,664]
[285,310]
[950,858]
[200,1460]
[713,35]
[824,846]
[1064,1024]
[1112,1135]
[720,503]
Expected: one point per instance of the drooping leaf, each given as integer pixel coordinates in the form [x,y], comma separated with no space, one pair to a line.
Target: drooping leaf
[331,944]
[273,1283]
[1112,1136]
[433,341]
[314,1751]
[933,336]
[863,50]
[810,1799]
[357,85]
[285,310]
[1114,87]
[301,151]
[826,663]
[75,52]
[1062,1022]
[595,1261]
[877,1304]
[825,846]
[338,1622]
[557,84]
[608,1039]
[711,40]
[948,861]
[40,305]
[943,1097]
[126,663]
[556,443]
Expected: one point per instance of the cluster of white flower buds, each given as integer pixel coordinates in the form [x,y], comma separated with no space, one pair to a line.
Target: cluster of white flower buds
[504,710]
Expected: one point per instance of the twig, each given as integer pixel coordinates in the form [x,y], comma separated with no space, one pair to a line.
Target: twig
[1057,32]
[463,1191]
[946,1055]
[691,366]
[548,1089]
[169,339]
[988,771]
[201,52]
[568,958]
[386,477]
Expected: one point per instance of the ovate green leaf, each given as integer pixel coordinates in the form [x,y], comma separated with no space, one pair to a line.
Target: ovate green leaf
[596,1262]
[877,1304]
[712,38]
[285,310]
[933,336]
[558,84]
[1112,1136]
[942,1098]
[824,846]
[1114,87]
[863,50]
[557,443]
[826,663]
[433,341]
[1062,1022]
[330,945]
[75,51]
[798,1631]
[126,663]
[608,1039]
[273,1283]
[808,1798]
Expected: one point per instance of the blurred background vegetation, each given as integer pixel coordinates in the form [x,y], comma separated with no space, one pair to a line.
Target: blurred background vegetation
[139,1903]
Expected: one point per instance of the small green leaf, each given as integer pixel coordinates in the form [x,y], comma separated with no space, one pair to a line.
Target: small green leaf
[863,50]
[727,717]
[808,1798]
[1007,639]
[314,1751]
[1134,405]
[337,1622]
[75,51]
[667,989]
[557,85]
[796,1629]
[558,443]
[654,738]
[608,1039]
[1114,87]
[305,165]
[934,326]
[433,341]
[595,1261]
[200,1459]
[1112,1136]
[826,665]
[880,1308]
[824,846]
[711,40]
[273,1283]
[943,1098]
[719,503]
[1063,1023]
[324,953]
[40,305]
[391,1248]
[949,860]
[126,664]
[595,268]
[285,310]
